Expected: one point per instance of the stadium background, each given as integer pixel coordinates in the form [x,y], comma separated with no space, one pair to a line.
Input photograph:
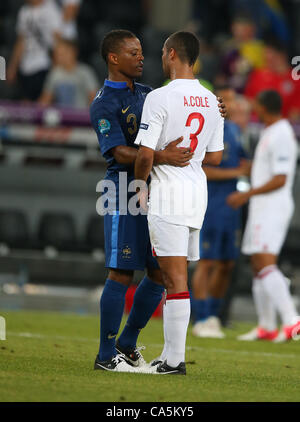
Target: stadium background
[51,238]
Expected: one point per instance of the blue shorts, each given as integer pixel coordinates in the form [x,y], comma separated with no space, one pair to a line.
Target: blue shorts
[127,242]
[220,238]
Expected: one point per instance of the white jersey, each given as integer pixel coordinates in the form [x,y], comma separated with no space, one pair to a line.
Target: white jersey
[270,213]
[182,108]
[37,24]
[276,153]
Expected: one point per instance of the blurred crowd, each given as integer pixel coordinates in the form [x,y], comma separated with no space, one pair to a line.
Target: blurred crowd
[52,48]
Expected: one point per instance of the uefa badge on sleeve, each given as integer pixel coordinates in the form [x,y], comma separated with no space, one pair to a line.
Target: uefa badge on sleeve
[104,126]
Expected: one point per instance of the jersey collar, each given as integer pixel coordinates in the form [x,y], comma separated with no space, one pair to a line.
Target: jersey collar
[113,84]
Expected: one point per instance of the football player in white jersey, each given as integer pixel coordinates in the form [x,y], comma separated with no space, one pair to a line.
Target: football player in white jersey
[178,197]
[270,211]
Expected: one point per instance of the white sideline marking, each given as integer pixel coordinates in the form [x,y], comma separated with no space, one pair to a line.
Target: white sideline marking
[43,336]
[197,348]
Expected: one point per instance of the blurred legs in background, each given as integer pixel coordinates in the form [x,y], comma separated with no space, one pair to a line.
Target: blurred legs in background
[209,285]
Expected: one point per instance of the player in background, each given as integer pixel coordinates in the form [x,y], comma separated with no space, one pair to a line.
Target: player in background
[270,210]
[178,196]
[220,233]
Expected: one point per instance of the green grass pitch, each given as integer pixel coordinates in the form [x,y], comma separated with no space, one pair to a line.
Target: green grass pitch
[49,357]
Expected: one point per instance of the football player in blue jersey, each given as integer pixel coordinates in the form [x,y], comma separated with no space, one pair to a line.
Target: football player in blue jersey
[220,233]
[115,115]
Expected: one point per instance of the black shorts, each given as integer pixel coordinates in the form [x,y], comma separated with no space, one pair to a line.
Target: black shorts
[32,85]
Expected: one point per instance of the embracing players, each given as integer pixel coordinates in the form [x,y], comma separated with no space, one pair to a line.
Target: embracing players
[178,196]
[115,116]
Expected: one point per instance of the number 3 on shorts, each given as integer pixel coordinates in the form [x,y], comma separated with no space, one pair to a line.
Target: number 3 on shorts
[193,136]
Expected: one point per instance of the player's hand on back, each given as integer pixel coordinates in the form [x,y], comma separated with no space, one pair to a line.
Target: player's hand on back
[222,107]
[177,156]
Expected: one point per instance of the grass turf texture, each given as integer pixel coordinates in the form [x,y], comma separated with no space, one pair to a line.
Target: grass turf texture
[54,362]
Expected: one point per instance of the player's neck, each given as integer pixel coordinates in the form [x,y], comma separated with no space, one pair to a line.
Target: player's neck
[181,72]
[119,77]
[271,119]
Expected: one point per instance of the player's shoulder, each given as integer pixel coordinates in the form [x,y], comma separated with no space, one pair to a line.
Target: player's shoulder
[143,87]
[283,126]
[105,99]
[158,94]
[205,92]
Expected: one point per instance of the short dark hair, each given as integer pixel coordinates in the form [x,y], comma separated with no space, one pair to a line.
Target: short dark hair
[112,40]
[271,100]
[186,45]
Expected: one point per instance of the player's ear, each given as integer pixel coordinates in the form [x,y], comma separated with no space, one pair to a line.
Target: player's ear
[112,58]
[172,53]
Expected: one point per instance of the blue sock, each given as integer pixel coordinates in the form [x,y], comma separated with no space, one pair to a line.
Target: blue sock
[200,309]
[146,299]
[111,311]
[214,306]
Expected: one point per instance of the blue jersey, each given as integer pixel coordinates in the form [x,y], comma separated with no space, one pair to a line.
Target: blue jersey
[233,152]
[115,115]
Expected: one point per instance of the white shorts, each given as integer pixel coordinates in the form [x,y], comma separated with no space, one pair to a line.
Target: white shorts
[265,232]
[169,239]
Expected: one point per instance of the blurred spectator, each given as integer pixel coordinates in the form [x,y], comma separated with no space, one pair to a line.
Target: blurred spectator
[277,75]
[241,112]
[38,25]
[70,10]
[244,52]
[269,16]
[69,83]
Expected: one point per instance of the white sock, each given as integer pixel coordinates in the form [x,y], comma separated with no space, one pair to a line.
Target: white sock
[177,316]
[275,285]
[163,355]
[264,306]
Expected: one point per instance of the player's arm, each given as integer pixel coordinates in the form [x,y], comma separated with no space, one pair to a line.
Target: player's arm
[104,118]
[143,163]
[124,154]
[218,174]
[173,156]
[237,199]
[281,156]
[213,158]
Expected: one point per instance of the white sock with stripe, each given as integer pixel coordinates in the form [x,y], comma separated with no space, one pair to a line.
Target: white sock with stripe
[176,320]
[275,285]
[264,306]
